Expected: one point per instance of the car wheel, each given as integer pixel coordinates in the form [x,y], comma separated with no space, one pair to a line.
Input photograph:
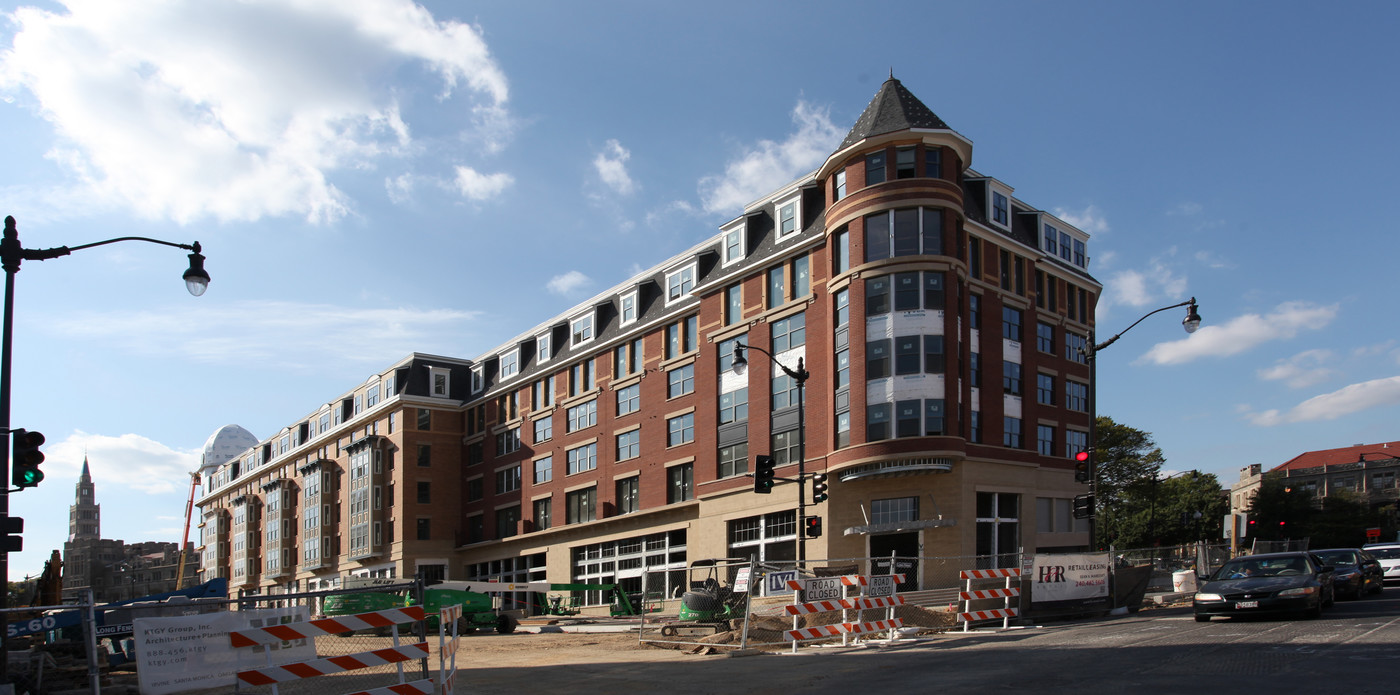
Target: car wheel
[1202,618]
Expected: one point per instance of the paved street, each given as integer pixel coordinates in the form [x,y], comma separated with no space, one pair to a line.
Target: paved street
[1355,645]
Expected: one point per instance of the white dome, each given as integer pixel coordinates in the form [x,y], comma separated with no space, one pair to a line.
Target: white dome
[226,443]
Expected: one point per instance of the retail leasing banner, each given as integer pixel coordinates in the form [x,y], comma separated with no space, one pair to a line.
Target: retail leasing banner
[1069,577]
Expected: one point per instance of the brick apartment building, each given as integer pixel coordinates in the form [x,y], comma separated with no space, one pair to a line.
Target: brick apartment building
[940,319]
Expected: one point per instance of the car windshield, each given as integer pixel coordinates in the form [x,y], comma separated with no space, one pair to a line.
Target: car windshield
[1255,567]
[1340,559]
[1386,553]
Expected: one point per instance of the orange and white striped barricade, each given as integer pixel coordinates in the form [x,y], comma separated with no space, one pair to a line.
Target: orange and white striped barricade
[271,675]
[882,586]
[825,596]
[396,655]
[448,641]
[273,634]
[1006,593]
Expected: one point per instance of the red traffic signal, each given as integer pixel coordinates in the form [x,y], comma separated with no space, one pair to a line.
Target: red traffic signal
[1083,469]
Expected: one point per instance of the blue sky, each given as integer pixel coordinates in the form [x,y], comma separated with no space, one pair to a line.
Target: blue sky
[373,177]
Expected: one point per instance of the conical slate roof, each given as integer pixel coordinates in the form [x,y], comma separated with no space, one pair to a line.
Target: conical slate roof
[893,109]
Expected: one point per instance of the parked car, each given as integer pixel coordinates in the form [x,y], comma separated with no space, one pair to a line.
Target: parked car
[1389,556]
[1272,583]
[1356,572]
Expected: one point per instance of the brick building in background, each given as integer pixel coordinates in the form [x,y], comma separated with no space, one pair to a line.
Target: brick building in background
[940,319]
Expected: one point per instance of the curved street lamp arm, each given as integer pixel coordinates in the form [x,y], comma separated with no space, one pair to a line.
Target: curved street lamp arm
[800,374]
[1110,341]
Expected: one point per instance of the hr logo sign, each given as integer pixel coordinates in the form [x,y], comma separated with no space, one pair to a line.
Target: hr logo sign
[1052,573]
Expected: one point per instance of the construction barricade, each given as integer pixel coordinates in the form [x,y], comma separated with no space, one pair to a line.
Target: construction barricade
[825,594]
[448,642]
[967,615]
[396,655]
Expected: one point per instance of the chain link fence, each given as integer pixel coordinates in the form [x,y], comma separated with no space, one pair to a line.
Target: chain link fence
[716,612]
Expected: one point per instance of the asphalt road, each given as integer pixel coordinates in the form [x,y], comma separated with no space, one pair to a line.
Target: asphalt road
[1354,648]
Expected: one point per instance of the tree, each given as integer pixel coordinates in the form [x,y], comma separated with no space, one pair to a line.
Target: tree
[1282,512]
[1125,461]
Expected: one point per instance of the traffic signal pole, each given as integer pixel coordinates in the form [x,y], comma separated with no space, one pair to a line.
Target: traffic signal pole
[10,255]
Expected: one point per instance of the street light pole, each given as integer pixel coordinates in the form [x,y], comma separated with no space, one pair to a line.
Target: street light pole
[12,253]
[1090,351]
[800,375]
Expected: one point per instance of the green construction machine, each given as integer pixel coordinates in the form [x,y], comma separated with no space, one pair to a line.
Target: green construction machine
[622,604]
[710,603]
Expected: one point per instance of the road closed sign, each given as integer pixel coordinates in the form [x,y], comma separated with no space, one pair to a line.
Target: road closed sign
[822,589]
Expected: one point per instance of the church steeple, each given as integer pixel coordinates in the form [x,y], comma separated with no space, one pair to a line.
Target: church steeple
[85,515]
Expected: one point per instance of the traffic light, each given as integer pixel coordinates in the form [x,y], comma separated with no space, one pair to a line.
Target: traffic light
[26,458]
[1083,506]
[762,474]
[818,488]
[814,526]
[13,527]
[1083,469]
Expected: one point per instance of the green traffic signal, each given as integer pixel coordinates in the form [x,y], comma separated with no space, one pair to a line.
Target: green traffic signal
[25,458]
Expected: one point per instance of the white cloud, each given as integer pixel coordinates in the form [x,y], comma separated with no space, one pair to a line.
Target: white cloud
[1330,406]
[568,283]
[1089,220]
[1158,282]
[272,334]
[400,188]
[1243,333]
[611,165]
[128,461]
[189,109]
[1214,261]
[768,164]
[1186,209]
[1304,369]
[476,186]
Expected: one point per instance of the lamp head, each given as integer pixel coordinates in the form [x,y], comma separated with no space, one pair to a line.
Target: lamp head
[1193,319]
[196,278]
[740,364]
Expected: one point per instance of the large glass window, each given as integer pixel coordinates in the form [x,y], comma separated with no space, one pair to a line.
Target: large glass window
[733,304]
[1011,378]
[1011,324]
[680,381]
[544,470]
[1045,389]
[776,291]
[629,495]
[680,483]
[1011,432]
[912,291]
[903,232]
[1045,440]
[1076,396]
[1044,337]
[680,430]
[629,445]
[878,419]
[733,460]
[583,458]
[583,415]
[998,529]
[789,333]
[581,506]
[734,406]
[629,399]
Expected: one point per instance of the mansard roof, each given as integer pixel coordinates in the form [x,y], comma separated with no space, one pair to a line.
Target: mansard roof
[893,109]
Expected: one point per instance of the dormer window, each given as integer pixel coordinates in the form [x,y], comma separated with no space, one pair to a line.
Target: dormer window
[679,283]
[1001,209]
[510,363]
[1079,258]
[581,330]
[734,244]
[1052,236]
[628,303]
[543,347]
[787,220]
[1064,246]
